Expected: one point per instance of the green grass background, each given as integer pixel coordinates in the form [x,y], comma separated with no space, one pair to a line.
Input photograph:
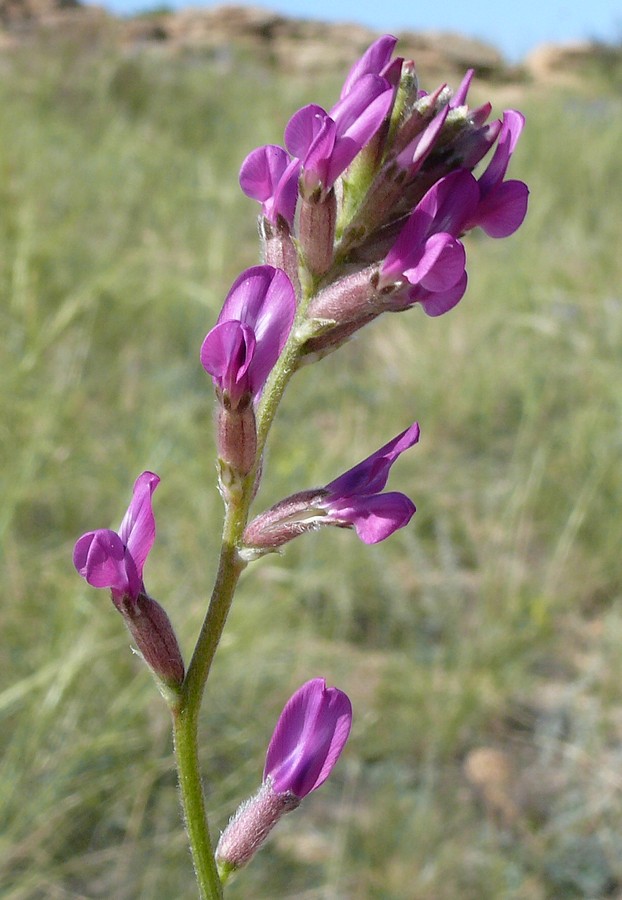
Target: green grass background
[494,621]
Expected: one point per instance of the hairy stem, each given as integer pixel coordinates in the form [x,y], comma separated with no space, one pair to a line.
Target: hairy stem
[187,706]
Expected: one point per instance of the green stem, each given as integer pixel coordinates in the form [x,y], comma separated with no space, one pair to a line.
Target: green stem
[187,706]
[191,789]
[185,716]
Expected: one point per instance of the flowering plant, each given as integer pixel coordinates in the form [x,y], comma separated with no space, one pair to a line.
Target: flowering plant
[363,211]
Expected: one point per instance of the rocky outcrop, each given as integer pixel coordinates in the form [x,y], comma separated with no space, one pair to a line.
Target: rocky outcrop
[300,46]
[561,62]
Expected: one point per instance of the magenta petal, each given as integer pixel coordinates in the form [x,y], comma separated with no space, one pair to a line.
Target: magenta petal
[511,128]
[226,354]
[370,475]
[261,171]
[451,201]
[360,114]
[374,517]
[270,176]
[303,128]
[308,739]
[104,562]
[372,62]
[316,163]
[441,265]
[137,529]
[416,152]
[503,210]
[435,304]
[407,249]
[283,203]
[459,97]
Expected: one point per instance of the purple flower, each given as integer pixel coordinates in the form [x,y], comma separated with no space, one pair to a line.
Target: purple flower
[503,204]
[427,253]
[252,328]
[269,175]
[107,559]
[354,500]
[308,739]
[326,143]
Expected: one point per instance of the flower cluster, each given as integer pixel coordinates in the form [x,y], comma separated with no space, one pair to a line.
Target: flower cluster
[363,211]
[366,204]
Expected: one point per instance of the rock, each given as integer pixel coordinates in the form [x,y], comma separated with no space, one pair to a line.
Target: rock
[490,772]
[298,46]
[560,62]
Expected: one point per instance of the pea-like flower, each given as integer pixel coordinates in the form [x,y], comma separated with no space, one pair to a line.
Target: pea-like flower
[239,353]
[270,175]
[354,500]
[254,323]
[308,739]
[327,142]
[107,559]
[115,560]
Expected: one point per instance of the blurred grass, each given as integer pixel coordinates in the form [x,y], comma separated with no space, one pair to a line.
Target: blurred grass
[494,621]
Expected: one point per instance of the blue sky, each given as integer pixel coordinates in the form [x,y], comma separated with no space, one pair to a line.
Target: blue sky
[514,27]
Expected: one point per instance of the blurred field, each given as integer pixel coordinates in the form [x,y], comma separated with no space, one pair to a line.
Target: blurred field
[481,646]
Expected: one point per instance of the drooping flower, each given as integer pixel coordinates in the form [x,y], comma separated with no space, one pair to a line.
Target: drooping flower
[354,500]
[252,328]
[308,739]
[107,559]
